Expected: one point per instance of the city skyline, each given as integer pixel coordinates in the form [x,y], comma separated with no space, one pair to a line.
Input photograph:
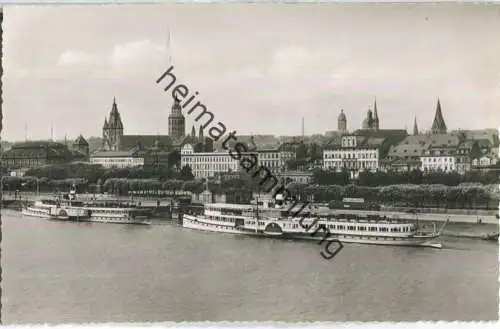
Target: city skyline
[326,61]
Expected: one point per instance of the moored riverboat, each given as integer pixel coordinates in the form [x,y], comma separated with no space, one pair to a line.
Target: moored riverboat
[67,207]
[280,223]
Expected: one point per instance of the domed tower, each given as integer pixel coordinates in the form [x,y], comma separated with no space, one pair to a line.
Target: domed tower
[342,122]
[176,121]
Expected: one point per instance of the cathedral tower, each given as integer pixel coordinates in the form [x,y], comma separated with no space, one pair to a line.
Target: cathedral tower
[112,130]
[176,121]
[438,126]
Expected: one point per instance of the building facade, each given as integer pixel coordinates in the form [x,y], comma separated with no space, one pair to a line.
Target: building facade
[117,159]
[209,164]
[275,159]
[302,177]
[439,159]
[32,154]
[354,154]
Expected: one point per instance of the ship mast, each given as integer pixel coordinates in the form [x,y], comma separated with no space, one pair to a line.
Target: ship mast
[257,215]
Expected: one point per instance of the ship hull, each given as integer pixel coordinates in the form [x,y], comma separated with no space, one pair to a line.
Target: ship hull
[33,213]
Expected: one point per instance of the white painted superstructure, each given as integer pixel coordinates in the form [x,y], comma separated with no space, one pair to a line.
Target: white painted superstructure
[245,219]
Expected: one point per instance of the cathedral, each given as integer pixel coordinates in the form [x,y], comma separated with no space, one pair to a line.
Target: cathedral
[112,130]
[113,138]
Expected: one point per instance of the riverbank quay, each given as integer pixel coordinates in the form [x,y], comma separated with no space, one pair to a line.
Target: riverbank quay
[471,231]
[145,201]
[432,217]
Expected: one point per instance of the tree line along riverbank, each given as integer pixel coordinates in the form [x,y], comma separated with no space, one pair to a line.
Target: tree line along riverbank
[473,191]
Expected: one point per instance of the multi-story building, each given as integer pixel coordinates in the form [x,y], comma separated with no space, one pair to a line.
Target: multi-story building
[117,159]
[209,164]
[439,159]
[463,157]
[302,177]
[33,154]
[275,159]
[355,154]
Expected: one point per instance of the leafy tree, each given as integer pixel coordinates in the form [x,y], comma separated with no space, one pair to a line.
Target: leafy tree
[186,173]
[174,159]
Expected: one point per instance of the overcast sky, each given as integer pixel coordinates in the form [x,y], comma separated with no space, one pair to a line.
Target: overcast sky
[258,68]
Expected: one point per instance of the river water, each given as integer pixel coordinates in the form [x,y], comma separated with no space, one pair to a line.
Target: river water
[56,272]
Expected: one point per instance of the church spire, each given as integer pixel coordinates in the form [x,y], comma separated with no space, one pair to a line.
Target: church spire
[115,120]
[200,136]
[375,115]
[415,127]
[114,107]
[193,132]
[438,126]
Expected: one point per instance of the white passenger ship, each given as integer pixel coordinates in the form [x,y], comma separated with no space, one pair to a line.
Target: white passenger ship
[104,211]
[278,222]
[39,210]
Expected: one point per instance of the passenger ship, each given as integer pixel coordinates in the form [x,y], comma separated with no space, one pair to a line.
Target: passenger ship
[104,211]
[277,222]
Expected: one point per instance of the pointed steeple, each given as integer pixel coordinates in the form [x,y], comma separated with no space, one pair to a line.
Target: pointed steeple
[115,121]
[200,135]
[375,115]
[415,127]
[105,126]
[114,108]
[438,126]
[193,132]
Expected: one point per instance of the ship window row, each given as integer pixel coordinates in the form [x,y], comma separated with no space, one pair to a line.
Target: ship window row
[370,228]
[221,219]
